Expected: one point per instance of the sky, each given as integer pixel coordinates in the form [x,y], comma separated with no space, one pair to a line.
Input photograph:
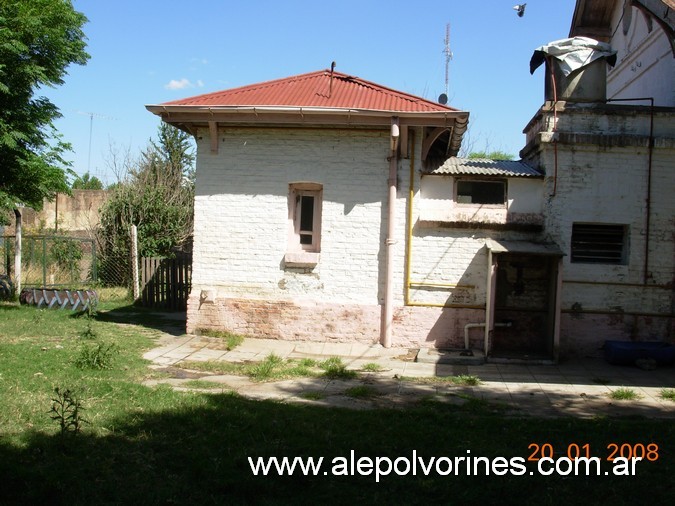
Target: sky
[153,51]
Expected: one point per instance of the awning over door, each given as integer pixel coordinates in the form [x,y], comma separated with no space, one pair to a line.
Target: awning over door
[528,247]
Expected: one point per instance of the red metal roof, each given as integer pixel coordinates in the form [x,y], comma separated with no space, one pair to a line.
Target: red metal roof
[316,89]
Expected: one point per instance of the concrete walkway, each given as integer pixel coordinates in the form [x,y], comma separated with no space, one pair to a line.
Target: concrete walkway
[574,388]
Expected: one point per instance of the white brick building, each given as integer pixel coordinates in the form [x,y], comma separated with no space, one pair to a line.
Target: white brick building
[327,208]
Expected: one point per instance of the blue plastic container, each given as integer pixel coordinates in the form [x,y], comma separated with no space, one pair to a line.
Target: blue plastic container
[627,352]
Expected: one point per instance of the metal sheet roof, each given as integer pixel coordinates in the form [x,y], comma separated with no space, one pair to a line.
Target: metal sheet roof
[486,167]
[317,89]
[532,248]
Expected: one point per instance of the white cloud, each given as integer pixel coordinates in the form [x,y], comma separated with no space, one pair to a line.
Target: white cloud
[180,84]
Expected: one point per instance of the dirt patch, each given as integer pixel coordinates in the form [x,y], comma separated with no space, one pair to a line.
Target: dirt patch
[408,357]
[178,373]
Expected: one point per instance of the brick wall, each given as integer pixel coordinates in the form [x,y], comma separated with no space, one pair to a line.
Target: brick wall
[241,233]
[602,172]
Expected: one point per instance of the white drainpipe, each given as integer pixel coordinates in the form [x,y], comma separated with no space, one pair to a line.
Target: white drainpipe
[388,309]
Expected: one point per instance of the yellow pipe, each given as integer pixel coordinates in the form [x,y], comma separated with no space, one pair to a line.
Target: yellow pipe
[456,306]
[408,245]
[439,285]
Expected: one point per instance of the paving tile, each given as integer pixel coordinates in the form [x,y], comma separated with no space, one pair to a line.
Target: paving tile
[413,369]
[238,356]
[571,388]
[206,354]
[307,349]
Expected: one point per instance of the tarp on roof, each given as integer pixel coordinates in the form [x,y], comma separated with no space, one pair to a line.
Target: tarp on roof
[573,53]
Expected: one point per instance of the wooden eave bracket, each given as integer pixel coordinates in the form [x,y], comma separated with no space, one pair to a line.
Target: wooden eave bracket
[403,142]
[430,139]
[213,136]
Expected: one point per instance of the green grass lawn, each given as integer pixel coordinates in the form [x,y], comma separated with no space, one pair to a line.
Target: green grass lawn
[157,446]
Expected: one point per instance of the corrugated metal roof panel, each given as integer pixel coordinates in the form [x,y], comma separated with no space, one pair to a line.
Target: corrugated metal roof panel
[486,167]
[532,248]
[315,89]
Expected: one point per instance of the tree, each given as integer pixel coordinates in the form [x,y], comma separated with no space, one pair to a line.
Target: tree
[87,182]
[39,39]
[157,195]
[492,155]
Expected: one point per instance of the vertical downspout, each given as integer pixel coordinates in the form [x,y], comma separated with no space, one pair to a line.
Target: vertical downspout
[388,309]
[648,199]
[555,129]
[409,231]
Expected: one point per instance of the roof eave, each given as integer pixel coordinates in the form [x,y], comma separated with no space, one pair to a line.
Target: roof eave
[303,115]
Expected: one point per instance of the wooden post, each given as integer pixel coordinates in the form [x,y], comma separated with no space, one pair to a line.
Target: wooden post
[17,252]
[134,261]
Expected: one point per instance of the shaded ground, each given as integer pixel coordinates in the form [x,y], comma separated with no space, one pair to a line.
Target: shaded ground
[574,388]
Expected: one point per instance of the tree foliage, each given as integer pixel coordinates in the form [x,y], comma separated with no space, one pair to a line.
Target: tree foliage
[39,39]
[87,182]
[156,195]
[492,155]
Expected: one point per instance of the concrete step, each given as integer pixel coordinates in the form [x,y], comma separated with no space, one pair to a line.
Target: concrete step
[450,356]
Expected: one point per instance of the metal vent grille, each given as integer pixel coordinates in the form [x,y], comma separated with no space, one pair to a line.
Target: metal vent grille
[598,244]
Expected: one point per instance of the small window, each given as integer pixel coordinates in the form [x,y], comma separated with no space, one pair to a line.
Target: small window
[305,216]
[599,244]
[305,210]
[481,192]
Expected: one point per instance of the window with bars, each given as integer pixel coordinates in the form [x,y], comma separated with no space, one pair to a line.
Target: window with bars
[599,244]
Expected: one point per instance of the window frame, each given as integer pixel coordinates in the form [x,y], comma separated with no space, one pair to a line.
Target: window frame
[473,180]
[297,252]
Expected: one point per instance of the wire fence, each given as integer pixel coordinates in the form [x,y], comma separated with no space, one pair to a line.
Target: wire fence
[52,261]
[64,261]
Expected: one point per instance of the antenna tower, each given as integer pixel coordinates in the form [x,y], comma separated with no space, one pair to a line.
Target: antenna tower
[92,115]
[448,55]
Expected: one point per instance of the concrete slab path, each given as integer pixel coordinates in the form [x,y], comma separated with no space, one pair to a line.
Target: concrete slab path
[579,388]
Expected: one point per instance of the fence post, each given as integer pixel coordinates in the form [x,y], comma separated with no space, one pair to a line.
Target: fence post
[134,261]
[44,261]
[17,252]
[94,262]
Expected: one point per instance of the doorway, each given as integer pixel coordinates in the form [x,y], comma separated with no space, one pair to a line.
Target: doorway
[523,306]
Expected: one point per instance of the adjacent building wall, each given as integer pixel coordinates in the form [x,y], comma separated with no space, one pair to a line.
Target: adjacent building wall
[597,163]
[77,214]
[644,65]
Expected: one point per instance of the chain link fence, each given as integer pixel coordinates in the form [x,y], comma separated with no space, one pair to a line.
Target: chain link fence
[65,261]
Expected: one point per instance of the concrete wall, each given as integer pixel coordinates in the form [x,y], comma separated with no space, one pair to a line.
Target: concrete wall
[78,213]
